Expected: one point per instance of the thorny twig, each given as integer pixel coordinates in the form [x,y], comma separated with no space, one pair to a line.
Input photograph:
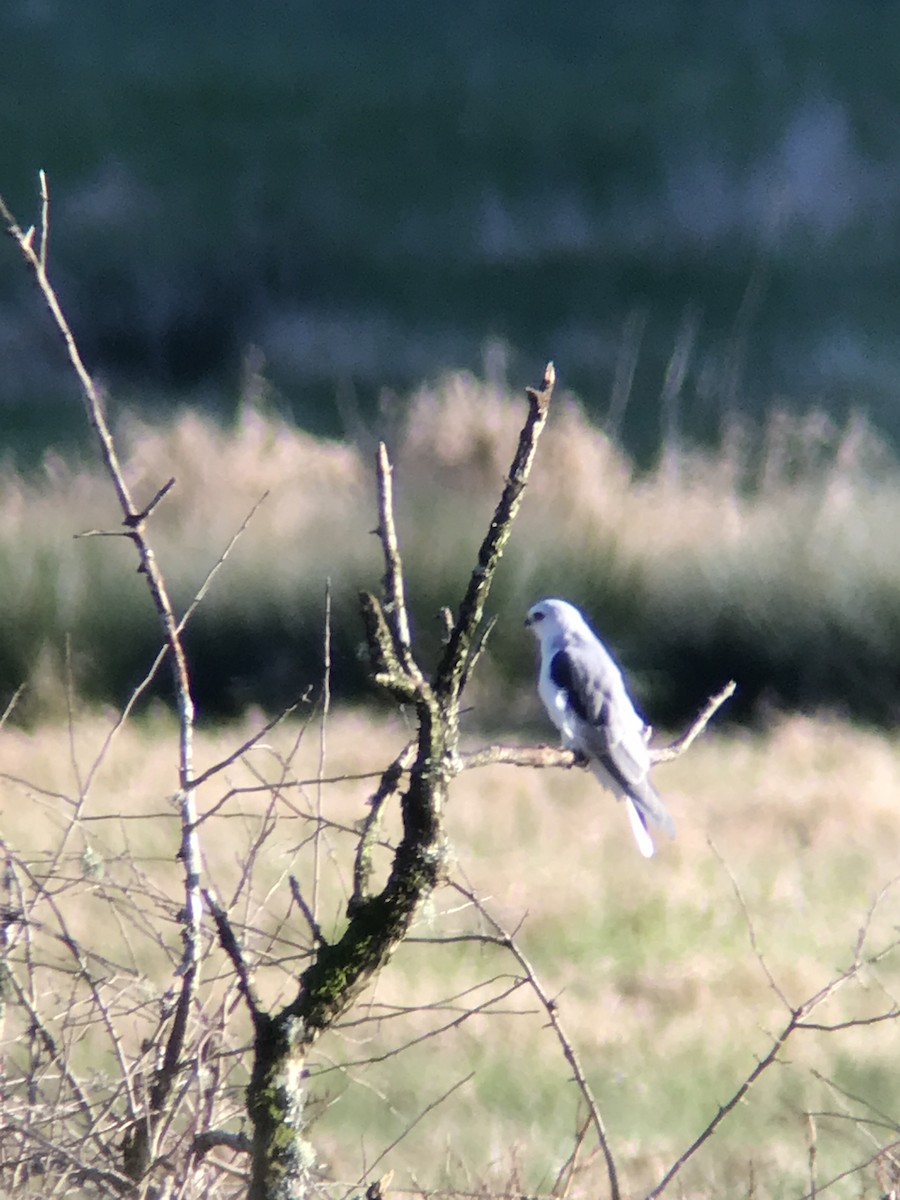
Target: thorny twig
[134,520]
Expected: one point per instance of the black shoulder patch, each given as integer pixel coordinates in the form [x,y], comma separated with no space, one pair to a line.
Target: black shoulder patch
[563,676]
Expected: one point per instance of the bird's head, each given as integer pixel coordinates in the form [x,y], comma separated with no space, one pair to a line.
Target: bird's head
[550,618]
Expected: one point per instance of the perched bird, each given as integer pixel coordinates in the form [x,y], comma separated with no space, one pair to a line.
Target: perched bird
[583,691]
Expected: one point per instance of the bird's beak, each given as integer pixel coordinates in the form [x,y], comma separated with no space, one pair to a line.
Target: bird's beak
[528,622]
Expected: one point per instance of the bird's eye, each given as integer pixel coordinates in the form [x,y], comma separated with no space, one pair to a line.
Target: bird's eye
[538,616]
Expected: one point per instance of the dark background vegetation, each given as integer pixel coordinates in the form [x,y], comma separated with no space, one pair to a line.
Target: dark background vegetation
[349,198]
[374,193]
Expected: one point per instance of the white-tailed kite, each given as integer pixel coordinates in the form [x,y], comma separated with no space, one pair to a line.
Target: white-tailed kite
[583,691]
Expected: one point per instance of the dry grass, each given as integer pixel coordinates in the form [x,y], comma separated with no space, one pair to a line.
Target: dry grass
[771,560]
[785,836]
[656,980]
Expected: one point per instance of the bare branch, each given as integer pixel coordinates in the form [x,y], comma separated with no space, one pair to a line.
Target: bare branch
[11,704]
[852,1023]
[724,1109]
[242,749]
[388,670]
[320,769]
[751,929]
[137,1142]
[542,757]
[812,1153]
[552,1010]
[300,901]
[45,219]
[680,745]
[232,948]
[362,865]
[798,1020]
[211,1139]
[417,1120]
[448,680]
[477,651]
[148,508]
[394,598]
[883,1151]
[533,757]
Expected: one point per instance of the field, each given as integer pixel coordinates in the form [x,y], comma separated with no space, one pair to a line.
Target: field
[786,837]
[688,232]
[757,949]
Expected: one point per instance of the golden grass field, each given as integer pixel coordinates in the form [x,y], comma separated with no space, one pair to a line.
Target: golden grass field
[672,978]
[666,1002]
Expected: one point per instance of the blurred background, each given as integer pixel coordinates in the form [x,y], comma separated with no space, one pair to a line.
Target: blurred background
[318,209]
[371,194]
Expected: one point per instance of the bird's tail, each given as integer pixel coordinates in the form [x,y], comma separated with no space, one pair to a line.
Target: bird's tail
[647,801]
[639,828]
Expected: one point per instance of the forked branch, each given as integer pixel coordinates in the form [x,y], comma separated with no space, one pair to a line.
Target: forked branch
[378,922]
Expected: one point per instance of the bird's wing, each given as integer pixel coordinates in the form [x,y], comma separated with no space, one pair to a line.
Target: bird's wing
[609,730]
[595,693]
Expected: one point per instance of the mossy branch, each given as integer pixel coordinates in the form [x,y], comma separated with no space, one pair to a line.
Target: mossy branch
[378,923]
[449,677]
[387,670]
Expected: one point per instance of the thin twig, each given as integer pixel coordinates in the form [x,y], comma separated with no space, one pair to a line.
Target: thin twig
[242,750]
[11,704]
[797,1021]
[189,852]
[395,600]
[892,1014]
[151,505]
[680,745]
[724,1109]
[477,651]
[460,1019]
[145,683]
[232,948]
[569,1167]
[552,1010]
[362,864]
[855,1170]
[751,928]
[300,901]
[881,1119]
[416,1120]
[323,725]
[45,219]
